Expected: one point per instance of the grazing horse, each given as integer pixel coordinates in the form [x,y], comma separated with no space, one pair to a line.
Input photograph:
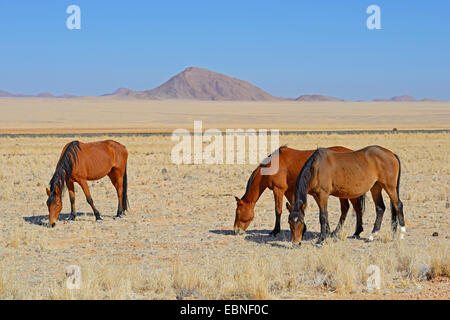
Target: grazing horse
[347,175]
[282,183]
[80,162]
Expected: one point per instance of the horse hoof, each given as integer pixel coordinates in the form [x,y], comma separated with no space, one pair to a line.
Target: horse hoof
[99,220]
[318,245]
[355,237]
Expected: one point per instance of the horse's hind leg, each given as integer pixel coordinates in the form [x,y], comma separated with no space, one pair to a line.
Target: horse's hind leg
[359,214]
[87,193]
[71,188]
[397,212]
[117,180]
[394,220]
[345,206]
[401,218]
[379,207]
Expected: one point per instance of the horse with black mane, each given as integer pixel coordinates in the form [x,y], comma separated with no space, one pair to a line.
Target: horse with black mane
[282,183]
[348,175]
[80,162]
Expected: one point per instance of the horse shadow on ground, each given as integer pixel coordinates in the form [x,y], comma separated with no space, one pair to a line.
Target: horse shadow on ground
[38,220]
[223,232]
[280,241]
[263,237]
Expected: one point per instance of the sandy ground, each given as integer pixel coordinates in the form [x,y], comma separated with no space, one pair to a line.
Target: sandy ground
[177,241]
[94,115]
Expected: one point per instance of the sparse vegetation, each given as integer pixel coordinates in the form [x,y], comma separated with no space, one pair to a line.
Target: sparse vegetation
[176,242]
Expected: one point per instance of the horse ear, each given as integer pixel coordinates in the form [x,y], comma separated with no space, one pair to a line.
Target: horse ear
[239,201]
[289,206]
[48,191]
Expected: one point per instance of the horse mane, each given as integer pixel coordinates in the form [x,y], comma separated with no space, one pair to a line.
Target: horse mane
[250,182]
[304,177]
[64,169]
[264,163]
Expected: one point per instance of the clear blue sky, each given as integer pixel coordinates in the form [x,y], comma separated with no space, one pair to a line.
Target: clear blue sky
[288,48]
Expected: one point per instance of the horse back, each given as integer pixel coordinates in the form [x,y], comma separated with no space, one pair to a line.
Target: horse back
[376,156]
[367,154]
[357,169]
[291,161]
[385,161]
[97,159]
[340,149]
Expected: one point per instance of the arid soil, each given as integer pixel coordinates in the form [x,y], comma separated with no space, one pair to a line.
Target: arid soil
[176,242]
[94,115]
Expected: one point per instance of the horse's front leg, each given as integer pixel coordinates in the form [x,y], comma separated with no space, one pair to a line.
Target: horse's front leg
[73,211]
[87,193]
[278,195]
[345,206]
[323,218]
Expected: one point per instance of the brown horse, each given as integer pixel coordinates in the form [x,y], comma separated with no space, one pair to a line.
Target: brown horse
[80,162]
[347,175]
[282,183]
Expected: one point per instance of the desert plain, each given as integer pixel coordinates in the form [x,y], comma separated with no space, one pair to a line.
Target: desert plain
[176,241]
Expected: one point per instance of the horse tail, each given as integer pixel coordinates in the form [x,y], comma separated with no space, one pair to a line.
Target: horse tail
[398,183]
[124,191]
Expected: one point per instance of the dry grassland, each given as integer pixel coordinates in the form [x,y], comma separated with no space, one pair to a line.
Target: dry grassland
[177,242]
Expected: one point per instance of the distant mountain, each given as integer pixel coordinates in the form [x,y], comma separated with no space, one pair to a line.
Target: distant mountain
[65,95]
[201,84]
[127,93]
[45,95]
[123,92]
[404,98]
[428,100]
[316,97]
[6,94]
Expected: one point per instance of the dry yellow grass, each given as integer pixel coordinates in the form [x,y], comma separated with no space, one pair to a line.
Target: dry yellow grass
[176,241]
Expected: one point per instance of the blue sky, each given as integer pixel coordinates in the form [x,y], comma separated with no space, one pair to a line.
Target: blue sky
[287,48]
